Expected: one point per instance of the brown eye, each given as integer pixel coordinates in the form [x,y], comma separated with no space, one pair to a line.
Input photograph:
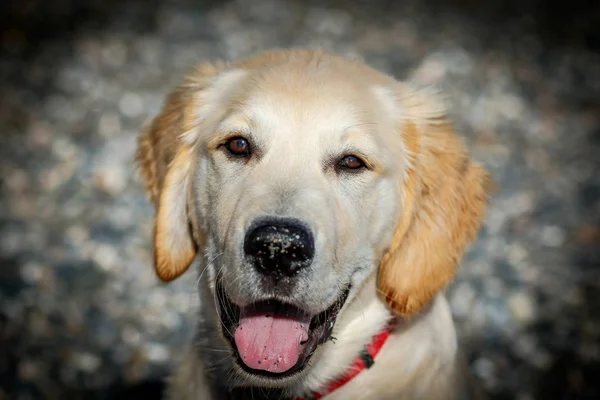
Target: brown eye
[351,162]
[238,146]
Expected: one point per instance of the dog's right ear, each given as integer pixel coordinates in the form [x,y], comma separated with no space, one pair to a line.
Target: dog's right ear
[445,196]
[165,155]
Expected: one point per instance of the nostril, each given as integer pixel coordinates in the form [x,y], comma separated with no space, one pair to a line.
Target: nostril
[279,246]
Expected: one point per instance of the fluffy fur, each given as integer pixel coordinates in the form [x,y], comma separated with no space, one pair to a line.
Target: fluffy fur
[395,232]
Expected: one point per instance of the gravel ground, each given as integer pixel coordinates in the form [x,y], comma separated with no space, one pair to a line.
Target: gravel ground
[81,312]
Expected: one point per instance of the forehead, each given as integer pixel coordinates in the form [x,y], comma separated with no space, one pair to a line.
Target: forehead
[310,100]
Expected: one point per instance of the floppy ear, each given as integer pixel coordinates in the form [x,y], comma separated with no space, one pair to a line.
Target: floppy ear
[165,156]
[445,197]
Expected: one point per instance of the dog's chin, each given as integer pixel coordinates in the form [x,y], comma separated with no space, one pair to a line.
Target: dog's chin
[283,340]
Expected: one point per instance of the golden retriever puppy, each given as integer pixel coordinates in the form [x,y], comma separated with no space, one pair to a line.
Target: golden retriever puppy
[327,205]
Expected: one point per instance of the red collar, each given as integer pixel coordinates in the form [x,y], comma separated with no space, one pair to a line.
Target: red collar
[365,360]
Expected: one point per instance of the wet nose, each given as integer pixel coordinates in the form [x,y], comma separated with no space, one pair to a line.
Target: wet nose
[279,247]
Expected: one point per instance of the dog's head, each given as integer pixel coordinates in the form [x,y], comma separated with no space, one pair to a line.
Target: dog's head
[298,175]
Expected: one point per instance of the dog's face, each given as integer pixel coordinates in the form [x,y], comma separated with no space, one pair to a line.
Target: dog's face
[288,178]
[299,175]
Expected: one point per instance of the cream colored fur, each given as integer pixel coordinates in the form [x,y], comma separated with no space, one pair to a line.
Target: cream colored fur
[419,361]
[395,232]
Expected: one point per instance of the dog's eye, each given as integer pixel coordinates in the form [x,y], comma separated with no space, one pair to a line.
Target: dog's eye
[351,162]
[238,146]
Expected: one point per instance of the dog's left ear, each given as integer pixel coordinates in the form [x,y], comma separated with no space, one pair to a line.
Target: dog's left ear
[166,156]
[444,201]
[164,162]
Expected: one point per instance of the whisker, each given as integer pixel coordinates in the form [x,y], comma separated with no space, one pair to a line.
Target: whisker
[223,359]
[227,310]
[362,305]
[193,290]
[216,350]
[217,308]
[206,267]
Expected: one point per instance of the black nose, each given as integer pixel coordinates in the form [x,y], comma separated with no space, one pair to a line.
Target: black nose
[279,247]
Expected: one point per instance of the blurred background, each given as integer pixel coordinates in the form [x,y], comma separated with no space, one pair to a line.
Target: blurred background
[81,312]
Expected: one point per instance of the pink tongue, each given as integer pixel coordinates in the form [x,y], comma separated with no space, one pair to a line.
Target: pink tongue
[270,342]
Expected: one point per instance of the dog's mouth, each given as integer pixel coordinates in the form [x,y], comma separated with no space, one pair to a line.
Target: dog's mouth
[275,339]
